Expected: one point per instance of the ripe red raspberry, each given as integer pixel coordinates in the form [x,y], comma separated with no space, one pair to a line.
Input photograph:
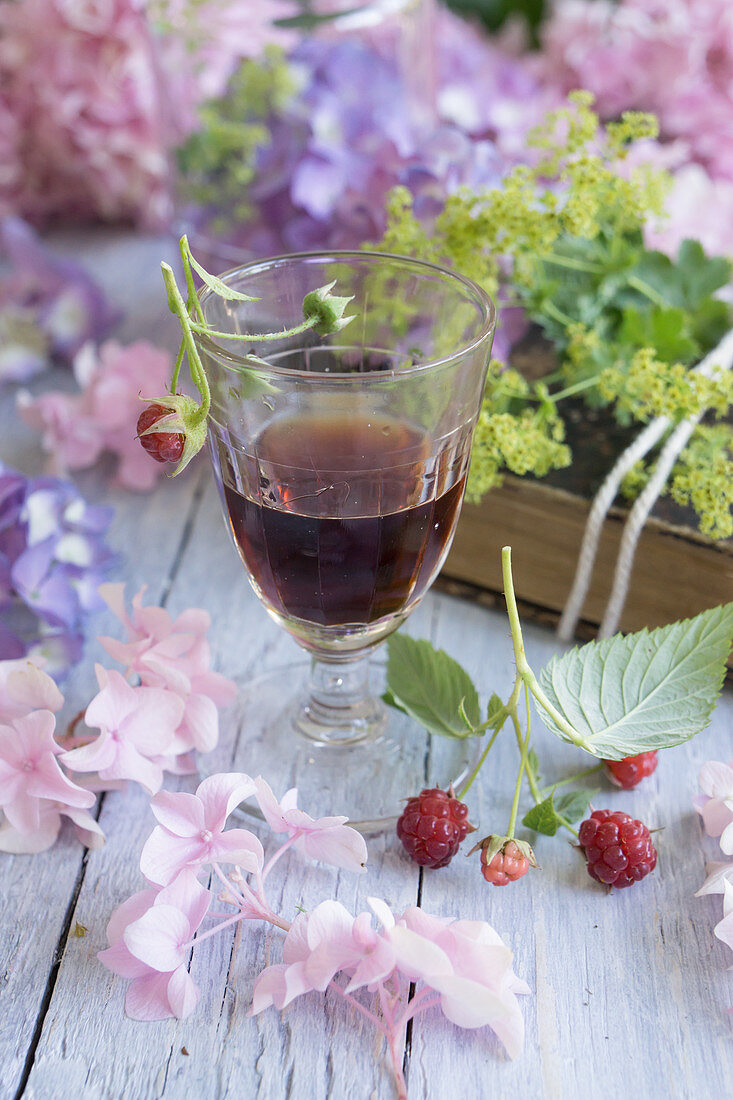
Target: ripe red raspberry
[506,866]
[618,849]
[432,826]
[631,770]
[162,446]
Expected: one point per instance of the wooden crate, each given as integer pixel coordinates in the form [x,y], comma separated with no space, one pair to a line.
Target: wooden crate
[677,572]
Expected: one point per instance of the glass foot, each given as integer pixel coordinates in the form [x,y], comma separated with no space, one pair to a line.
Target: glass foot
[367,781]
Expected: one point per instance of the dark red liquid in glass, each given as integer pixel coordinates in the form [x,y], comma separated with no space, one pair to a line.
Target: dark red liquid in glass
[343,521]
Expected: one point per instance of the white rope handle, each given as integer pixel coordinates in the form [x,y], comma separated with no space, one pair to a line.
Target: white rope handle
[720,357]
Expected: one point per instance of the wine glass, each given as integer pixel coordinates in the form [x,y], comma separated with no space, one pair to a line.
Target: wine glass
[341,462]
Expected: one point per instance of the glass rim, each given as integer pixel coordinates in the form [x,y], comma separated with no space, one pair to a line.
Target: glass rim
[476,292]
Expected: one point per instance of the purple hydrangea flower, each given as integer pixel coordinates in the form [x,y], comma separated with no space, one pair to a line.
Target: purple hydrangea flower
[53,558]
[49,307]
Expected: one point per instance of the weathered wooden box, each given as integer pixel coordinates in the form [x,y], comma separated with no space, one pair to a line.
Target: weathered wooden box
[677,572]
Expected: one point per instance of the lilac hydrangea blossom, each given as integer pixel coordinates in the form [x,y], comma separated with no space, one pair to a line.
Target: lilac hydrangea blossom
[352,134]
[53,558]
[49,306]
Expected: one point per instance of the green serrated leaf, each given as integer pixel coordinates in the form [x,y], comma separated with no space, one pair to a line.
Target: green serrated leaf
[573,804]
[388,698]
[430,686]
[644,691]
[543,818]
[495,711]
[216,284]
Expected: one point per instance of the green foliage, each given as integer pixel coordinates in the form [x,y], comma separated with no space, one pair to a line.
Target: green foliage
[644,691]
[627,322]
[431,687]
[551,814]
[217,162]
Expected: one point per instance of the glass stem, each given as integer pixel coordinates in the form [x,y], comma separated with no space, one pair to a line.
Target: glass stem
[339,709]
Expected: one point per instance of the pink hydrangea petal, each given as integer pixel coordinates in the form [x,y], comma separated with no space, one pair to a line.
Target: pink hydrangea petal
[114,701]
[130,764]
[726,839]
[382,912]
[156,938]
[718,873]
[87,829]
[194,620]
[417,956]
[238,846]
[29,843]
[469,1004]
[48,781]
[201,719]
[374,967]
[34,733]
[220,794]
[181,814]
[295,946]
[221,690]
[340,845]
[163,855]
[716,779]
[129,911]
[269,989]
[24,814]
[272,810]
[147,998]
[29,688]
[183,993]
[97,755]
[152,723]
[119,960]
[189,895]
[716,816]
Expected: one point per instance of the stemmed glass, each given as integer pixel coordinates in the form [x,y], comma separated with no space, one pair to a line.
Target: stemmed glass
[341,462]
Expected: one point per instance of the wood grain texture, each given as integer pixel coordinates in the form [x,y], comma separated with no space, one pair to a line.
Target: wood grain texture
[629,990]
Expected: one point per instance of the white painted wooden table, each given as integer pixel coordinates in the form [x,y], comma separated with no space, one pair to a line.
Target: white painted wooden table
[629,990]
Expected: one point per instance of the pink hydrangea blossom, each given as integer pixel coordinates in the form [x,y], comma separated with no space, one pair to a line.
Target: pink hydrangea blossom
[191,830]
[673,59]
[327,838]
[79,81]
[77,428]
[724,929]
[149,938]
[136,724]
[34,791]
[24,687]
[172,654]
[715,805]
[718,875]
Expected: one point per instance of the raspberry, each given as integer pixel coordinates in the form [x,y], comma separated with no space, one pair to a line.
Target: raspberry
[432,826]
[506,866]
[631,770]
[618,849]
[162,446]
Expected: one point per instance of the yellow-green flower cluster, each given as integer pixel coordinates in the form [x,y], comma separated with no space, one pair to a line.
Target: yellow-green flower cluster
[651,388]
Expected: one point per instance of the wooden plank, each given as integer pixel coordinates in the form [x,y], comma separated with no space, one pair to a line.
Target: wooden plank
[36,901]
[318,1048]
[677,573]
[628,981]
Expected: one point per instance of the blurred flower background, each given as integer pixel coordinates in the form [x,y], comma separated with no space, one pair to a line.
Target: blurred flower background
[263,126]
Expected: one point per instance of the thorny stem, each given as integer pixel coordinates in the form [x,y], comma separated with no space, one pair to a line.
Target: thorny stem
[177,367]
[463,789]
[193,298]
[523,743]
[177,305]
[545,791]
[255,337]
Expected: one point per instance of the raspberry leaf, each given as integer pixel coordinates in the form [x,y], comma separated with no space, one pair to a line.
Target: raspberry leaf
[644,691]
[431,687]
[543,818]
[573,804]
